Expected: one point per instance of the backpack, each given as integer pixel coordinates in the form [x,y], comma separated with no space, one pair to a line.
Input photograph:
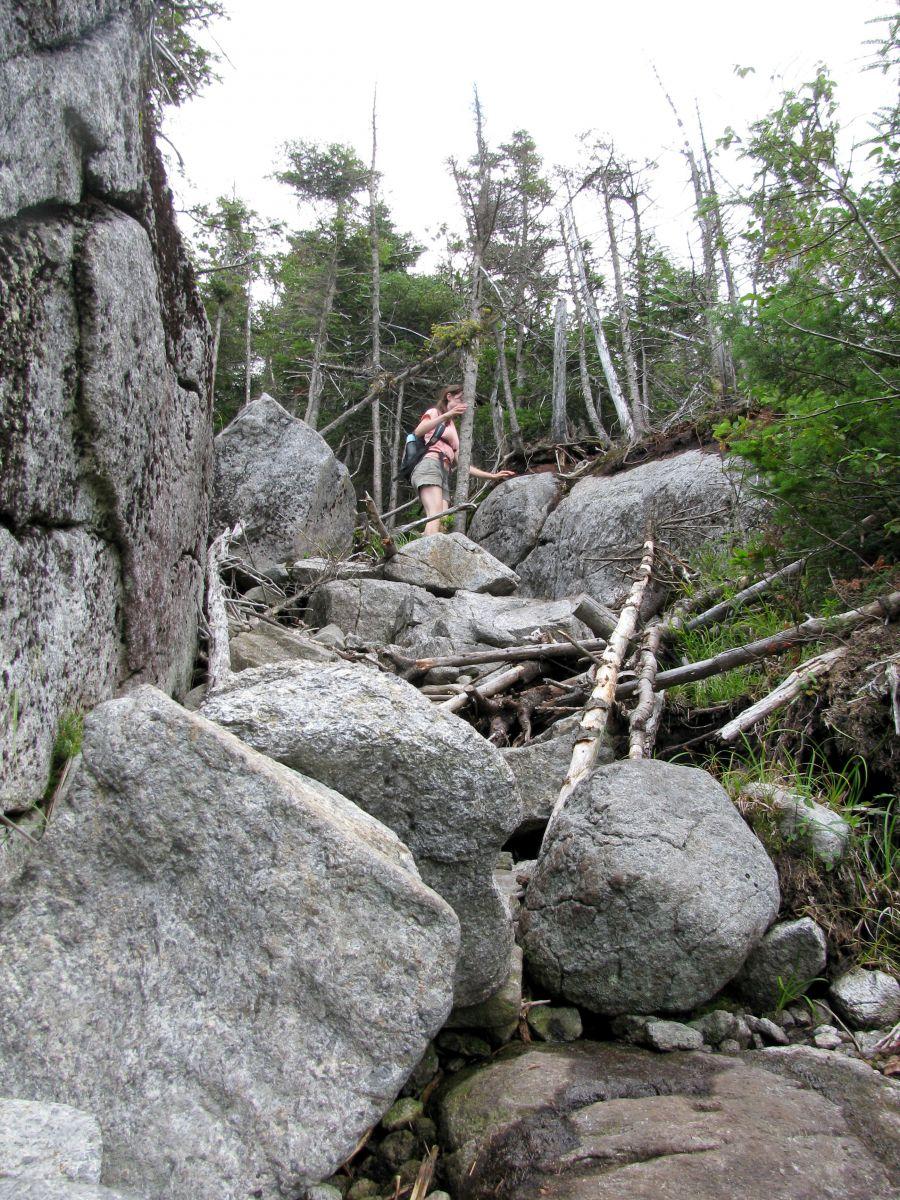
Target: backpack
[415,449]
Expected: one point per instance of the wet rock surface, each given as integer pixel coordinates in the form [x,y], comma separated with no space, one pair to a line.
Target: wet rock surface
[598,1120]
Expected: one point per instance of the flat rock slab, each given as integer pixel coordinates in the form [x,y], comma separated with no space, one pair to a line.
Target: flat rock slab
[232,966]
[274,643]
[446,563]
[591,1121]
[429,776]
[649,892]
[279,478]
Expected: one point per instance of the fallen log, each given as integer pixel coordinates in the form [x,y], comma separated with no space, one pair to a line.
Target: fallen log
[885,608]
[602,698]
[501,654]
[219,658]
[524,673]
[786,692]
[642,725]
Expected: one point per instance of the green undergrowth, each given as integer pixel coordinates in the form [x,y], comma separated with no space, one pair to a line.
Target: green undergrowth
[857,901]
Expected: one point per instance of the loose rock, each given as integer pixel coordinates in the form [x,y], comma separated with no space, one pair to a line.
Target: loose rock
[790,957]
[867,999]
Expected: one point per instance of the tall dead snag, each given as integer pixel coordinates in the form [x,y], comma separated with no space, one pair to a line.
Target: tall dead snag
[376,315]
[558,431]
[601,700]
[593,313]
[583,374]
[645,718]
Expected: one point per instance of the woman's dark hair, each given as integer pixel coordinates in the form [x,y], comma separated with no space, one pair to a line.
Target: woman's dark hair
[444,393]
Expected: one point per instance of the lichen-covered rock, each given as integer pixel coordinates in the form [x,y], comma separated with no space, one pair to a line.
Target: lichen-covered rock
[509,522]
[450,562]
[602,520]
[599,1122]
[279,478]
[232,966]
[813,828]
[867,999]
[649,892]
[49,1141]
[498,1016]
[429,776]
[787,960]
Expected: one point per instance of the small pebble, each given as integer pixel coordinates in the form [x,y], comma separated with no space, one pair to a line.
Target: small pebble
[552,1024]
[323,1191]
[362,1188]
[397,1148]
[408,1172]
[438,1196]
[826,1037]
[771,1032]
[729,1046]
[425,1130]
[467,1044]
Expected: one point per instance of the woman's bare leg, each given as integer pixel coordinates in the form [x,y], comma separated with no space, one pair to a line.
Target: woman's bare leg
[433,502]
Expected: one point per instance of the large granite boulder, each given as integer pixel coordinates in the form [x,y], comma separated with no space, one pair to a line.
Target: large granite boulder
[232,966]
[600,1122]
[105,433]
[429,776]
[509,522]
[588,540]
[279,478]
[450,562]
[649,891]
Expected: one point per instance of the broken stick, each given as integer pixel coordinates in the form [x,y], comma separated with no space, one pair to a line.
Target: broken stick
[642,726]
[787,691]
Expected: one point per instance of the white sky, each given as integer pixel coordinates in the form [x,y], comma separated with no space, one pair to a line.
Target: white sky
[557,69]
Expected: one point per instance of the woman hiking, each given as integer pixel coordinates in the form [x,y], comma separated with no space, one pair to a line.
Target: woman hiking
[431,478]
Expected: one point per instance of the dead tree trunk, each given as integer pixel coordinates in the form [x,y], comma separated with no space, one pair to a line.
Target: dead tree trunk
[396,436]
[609,371]
[314,398]
[247,337]
[376,317]
[602,698]
[587,394]
[634,396]
[558,422]
[645,717]
[515,432]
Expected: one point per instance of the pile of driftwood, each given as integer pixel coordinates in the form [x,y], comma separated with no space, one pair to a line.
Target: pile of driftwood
[624,663]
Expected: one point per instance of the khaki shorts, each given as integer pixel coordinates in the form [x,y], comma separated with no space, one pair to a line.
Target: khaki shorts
[431,472]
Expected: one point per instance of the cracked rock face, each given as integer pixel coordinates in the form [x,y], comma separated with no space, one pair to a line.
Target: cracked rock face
[596,531]
[105,439]
[509,522]
[601,1122]
[230,965]
[649,892]
[279,478]
[444,790]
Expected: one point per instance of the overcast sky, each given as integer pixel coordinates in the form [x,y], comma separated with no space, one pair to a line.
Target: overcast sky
[557,69]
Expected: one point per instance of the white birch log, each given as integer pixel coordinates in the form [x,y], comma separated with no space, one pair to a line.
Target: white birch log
[499,682]
[583,374]
[219,657]
[601,700]
[649,701]
[786,692]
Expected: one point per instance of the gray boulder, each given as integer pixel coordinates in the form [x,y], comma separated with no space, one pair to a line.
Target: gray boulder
[587,539]
[498,1016]
[450,562]
[232,966]
[509,522]
[540,768]
[787,960]
[105,439]
[867,999]
[649,892]
[280,479]
[813,828]
[600,1122]
[429,776]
